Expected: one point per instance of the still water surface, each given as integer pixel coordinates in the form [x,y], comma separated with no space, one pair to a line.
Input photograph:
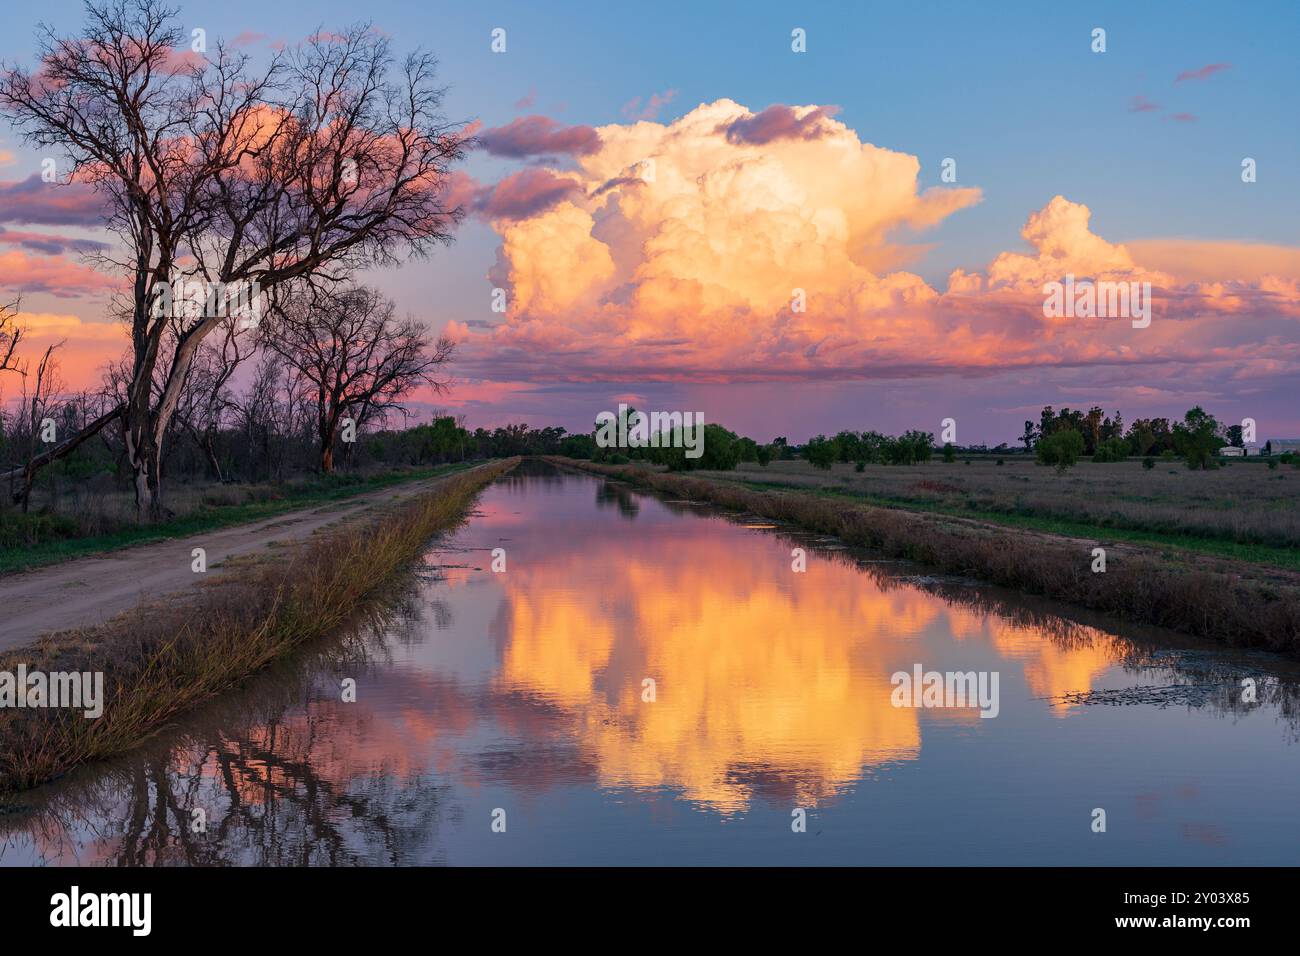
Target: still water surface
[523,692]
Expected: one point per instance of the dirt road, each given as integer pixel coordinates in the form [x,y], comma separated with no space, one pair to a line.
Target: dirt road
[89,590]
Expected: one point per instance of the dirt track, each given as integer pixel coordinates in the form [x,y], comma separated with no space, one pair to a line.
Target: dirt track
[86,591]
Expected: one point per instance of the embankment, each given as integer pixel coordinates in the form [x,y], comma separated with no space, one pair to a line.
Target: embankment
[1137,585]
[159,660]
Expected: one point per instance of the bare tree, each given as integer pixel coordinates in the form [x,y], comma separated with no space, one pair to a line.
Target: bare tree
[241,181]
[40,397]
[356,356]
[11,333]
[206,401]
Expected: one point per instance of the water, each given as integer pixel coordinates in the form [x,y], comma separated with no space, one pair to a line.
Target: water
[523,692]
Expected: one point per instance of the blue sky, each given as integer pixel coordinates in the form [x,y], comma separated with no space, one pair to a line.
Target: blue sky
[1011,91]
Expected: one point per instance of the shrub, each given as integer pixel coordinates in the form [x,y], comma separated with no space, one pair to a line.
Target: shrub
[1060,449]
[1110,451]
[1148,462]
[821,452]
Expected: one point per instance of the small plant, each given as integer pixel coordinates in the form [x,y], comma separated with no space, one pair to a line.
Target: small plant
[860,466]
[999,462]
[949,453]
[1148,462]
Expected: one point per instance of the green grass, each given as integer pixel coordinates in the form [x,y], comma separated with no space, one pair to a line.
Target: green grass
[208,518]
[1262,554]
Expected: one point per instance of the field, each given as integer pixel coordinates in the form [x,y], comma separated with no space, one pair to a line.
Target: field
[1243,511]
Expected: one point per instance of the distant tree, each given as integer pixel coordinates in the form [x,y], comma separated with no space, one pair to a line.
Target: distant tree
[1198,439]
[949,452]
[578,446]
[1111,450]
[1029,437]
[1060,449]
[1234,436]
[821,452]
[848,446]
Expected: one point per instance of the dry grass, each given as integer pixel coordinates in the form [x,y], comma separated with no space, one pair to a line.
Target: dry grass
[160,660]
[1137,586]
[1244,501]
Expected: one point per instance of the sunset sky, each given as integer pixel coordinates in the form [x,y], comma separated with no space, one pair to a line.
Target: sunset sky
[655,181]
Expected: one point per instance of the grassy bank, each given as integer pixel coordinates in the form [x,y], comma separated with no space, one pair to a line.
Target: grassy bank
[1238,511]
[39,539]
[1216,545]
[1137,586]
[160,660]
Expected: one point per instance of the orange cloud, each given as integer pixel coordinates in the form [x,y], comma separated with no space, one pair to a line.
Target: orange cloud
[87,347]
[23,273]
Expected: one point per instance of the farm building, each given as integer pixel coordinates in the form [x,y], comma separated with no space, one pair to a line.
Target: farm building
[1280,446]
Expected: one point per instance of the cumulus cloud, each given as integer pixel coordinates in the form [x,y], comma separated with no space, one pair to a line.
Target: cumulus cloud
[683,252]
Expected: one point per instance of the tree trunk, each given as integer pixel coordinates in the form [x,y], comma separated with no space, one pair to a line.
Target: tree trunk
[144,457]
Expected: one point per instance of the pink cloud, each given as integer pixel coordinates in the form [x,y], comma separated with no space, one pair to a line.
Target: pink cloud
[1204,73]
[36,202]
[633,110]
[521,195]
[527,101]
[1183,118]
[47,243]
[1140,104]
[780,122]
[23,273]
[538,136]
[525,194]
